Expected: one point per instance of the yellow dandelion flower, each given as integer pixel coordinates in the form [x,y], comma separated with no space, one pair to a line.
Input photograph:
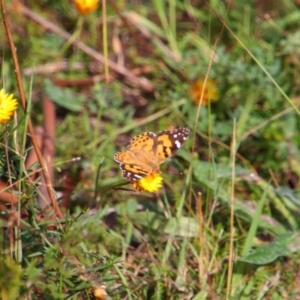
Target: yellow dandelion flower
[86,6]
[150,183]
[7,106]
[210,91]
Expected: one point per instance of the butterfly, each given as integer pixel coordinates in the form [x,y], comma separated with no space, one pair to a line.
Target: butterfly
[145,152]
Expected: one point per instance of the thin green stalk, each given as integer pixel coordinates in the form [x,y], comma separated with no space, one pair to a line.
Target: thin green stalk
[172,19]
[73,37]
[245,115]
[231,246]
[254,224]
[104,34]
[168,32]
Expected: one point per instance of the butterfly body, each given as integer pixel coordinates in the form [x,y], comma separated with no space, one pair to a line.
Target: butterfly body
[144,153]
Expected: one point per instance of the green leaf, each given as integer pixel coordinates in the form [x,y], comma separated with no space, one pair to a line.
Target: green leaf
[283,245]
[183,226]
[204,171]
[64,97]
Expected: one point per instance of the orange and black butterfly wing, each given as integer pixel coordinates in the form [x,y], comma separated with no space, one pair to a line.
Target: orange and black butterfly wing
[168,142]
[147,151]
[135,161]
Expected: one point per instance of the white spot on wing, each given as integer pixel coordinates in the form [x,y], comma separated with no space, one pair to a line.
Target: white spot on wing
[178,144]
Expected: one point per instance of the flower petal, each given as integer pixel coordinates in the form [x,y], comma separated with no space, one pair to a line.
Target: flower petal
[150,183]
[86,6]
[7,106]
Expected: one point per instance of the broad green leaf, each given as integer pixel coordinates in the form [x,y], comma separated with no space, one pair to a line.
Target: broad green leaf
[184,226]
[63,97]
[283,245]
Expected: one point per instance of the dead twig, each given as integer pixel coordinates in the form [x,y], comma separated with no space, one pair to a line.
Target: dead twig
[130,77]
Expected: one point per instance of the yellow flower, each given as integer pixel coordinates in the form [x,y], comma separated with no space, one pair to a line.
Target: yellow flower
[7,106]
[86,6]
[210,92]
[150,183]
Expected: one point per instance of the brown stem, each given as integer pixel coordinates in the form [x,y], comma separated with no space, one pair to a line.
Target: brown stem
[5,195]
[48,148]
[31,157]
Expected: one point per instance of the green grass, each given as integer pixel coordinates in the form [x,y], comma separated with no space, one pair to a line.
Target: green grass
[225,225]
